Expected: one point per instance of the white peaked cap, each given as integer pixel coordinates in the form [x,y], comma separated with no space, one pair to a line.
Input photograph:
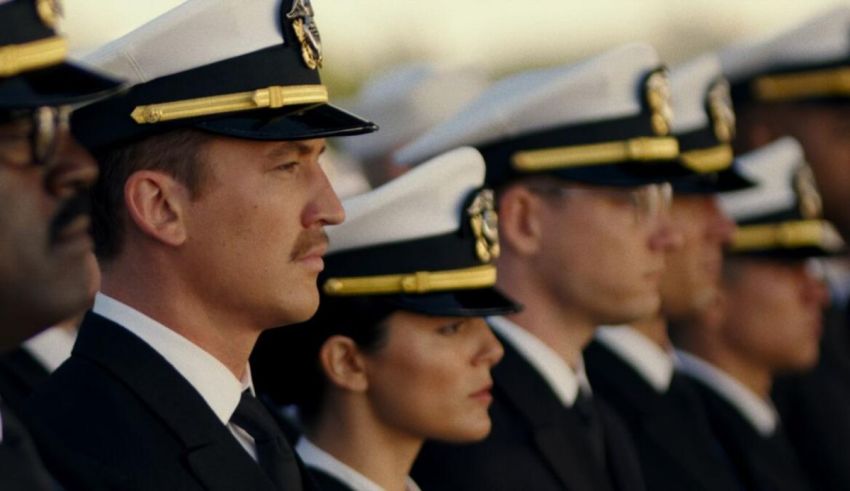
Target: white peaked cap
[689,85]
[427,201]
[407,101]
[600,88]
[823,39]
[171,43]
[771,168]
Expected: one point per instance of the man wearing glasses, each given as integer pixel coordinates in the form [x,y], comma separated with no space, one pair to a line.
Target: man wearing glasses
[44,221]
[632,367]
[579,156]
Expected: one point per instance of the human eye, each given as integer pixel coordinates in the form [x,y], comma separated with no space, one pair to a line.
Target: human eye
[450,328]
[289,166]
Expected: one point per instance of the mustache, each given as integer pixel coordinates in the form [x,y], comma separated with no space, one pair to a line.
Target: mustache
[306,241]
[70,210]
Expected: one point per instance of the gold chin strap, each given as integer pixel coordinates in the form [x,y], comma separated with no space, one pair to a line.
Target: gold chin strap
[24,57]
[787,235]
[707,160]
[819,83]
[418,282]
[273,97]
[639,149]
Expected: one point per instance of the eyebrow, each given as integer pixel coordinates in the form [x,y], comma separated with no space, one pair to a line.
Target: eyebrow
[284,148]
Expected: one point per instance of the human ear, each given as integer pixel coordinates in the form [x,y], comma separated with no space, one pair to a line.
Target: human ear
[343,364]
[156,202]
[520,227]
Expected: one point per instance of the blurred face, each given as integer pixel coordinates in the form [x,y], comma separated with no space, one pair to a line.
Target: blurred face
[256,231]
[44,275]
[773,313]
[432,377]
[824,132]
[693,270]
[604,249]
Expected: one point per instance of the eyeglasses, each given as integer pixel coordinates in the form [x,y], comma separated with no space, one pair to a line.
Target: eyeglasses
[33,136]
[649,202]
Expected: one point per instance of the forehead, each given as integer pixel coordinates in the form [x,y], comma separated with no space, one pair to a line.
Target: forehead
[267,149]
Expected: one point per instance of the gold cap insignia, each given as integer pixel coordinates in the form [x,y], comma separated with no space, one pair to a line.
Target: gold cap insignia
[485,225]
[307,33]
[721,111]
[808,197]
[658,99]
[49,11]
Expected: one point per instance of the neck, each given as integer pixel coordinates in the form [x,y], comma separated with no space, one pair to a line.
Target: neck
[356,436]
[742,368]
[756,378]
[655,329]
[168,300]
[564,329]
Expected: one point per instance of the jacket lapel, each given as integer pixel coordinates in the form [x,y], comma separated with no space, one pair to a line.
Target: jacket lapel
[655,420]
[557,436]
[212,453]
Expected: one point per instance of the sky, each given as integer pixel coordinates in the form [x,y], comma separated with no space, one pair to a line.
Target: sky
[362,37]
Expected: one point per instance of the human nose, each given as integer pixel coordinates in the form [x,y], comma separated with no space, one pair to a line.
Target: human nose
[490,350]
[666,235]
[813,284]
[721,227]
[74,168]
[326,208]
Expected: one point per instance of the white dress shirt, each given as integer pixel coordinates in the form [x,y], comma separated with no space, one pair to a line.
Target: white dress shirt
[216,384]
[561,378]
[650,361]
[51,347]
[759,412]
[317,458]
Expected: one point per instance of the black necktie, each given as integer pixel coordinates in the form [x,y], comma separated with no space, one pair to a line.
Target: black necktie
[593,426]
[273,452]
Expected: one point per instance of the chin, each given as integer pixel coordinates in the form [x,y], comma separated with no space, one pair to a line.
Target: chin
[634,310]
[297,309]
[469,432]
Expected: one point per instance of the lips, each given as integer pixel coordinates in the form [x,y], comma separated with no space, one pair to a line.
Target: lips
[483,394]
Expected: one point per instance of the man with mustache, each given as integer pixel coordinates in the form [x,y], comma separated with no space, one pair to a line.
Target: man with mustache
[43,176]
[208,222]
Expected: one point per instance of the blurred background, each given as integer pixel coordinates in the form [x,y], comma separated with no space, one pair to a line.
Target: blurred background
[364,37]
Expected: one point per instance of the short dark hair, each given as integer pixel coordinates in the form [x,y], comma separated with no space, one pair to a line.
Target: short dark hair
[285,363]
[177,153]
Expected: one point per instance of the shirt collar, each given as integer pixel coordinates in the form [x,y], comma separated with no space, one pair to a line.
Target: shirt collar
[652,363]
[214,382]
[51,347]
[759,412]
[563,380]
[317,458]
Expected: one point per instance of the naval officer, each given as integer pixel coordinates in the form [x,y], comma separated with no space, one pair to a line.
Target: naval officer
[208,224]
[632,367]
[43,221]
[578,155]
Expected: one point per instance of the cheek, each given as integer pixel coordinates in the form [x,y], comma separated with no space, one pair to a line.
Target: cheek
[426,394]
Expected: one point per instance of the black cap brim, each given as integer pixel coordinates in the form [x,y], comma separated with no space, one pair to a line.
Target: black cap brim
[318,122]
[459,303]
[790,254]
[57,85]
[727,180]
